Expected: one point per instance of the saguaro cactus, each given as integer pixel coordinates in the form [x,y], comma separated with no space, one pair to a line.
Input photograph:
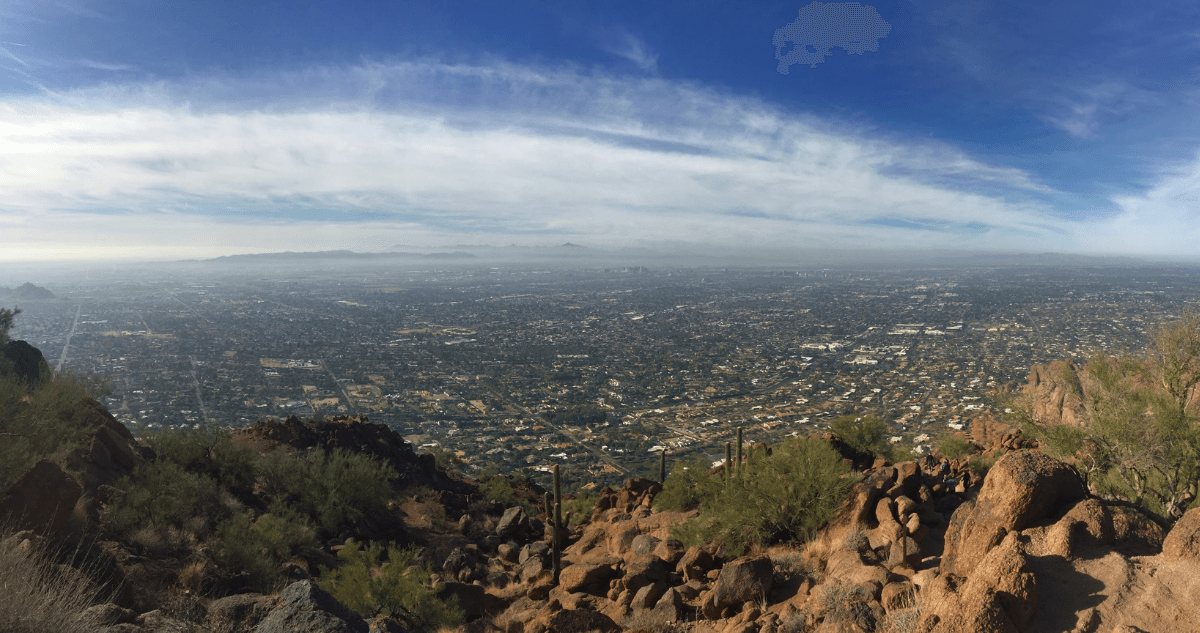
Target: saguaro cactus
[738,464]
[557,532]
[728,463]
[662,466]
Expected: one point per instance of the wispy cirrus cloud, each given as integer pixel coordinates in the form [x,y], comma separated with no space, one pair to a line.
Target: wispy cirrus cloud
[90,63]
[491,152]
[622,43]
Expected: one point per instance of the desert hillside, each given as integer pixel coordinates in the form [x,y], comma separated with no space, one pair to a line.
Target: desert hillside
[338,525]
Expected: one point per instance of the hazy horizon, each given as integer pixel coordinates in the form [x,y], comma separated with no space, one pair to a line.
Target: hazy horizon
[130,133]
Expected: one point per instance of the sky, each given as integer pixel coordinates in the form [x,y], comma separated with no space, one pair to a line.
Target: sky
[150,130]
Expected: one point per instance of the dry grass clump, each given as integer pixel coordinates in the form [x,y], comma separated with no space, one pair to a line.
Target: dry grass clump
[37,596]
[904,617]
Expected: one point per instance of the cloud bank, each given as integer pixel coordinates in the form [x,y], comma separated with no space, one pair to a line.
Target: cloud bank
[425,152]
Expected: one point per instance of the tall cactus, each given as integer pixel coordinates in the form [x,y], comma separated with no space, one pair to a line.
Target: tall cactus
[728,463]
[738,463]
[662,466]
[557,532]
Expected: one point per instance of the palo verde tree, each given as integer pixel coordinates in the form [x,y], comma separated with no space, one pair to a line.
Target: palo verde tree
[1140,441]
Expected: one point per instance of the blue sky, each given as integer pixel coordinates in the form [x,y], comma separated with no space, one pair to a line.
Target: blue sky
[148,130]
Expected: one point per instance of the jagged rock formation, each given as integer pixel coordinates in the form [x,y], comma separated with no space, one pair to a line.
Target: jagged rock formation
[1054,392]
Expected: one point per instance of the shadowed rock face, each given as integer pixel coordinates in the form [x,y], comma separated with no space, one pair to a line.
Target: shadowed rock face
[41,499]
[305,608]
[25,361]
[1020,489]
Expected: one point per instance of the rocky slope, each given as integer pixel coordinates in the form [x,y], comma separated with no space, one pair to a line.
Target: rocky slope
[919,546]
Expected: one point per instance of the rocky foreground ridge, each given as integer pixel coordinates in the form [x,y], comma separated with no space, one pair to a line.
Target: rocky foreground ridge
[918,546]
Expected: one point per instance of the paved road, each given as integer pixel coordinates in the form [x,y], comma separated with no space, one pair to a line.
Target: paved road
[67,344]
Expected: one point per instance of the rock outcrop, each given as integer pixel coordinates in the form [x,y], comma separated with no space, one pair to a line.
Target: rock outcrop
[1021,488]
[305,608]
[1053,392]
[42,499]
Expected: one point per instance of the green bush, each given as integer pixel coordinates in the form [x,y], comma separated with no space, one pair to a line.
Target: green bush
[258,548]
[337,489]
[387,581]
[578,508]
[161,494]
[497,488]
[210,453]
[863,433]
[787,496]
[44,420]
[954,447]
[235,550]
[687,485]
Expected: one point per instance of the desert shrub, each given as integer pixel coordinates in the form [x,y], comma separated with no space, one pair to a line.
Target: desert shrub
[447,460]
[258,547]
[387,581]
[856,541]
[497,488]
[897,453]
[43,420]
[980,465]
[236,550]
[904,618]
[336,488]
[847,603]
[209,452]
[688,483]
[954,447]
[578,508]
[792,564]
[783,497]
[161,494]
[863,433]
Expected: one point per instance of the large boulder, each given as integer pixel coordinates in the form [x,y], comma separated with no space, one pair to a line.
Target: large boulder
[25,362]
[1021,488]
[580,576]
[1183,541]
[1001,595]
[41,499]
[470,598]
[515,525]
[305,608]
[581,621]
[743,580]
[695,563]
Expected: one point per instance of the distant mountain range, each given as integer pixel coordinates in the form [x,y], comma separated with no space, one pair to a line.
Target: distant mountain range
[683,254]
[25,291]
[334,255]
